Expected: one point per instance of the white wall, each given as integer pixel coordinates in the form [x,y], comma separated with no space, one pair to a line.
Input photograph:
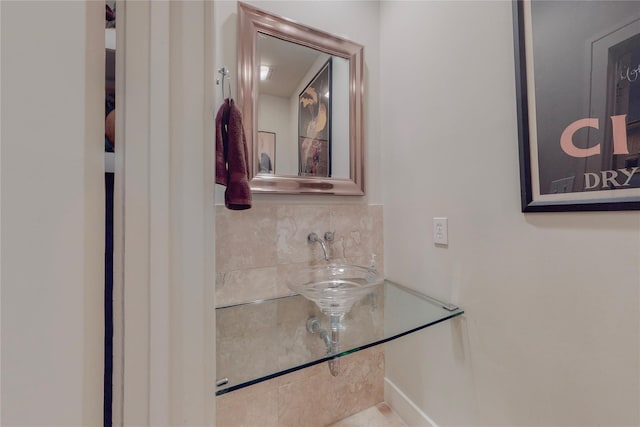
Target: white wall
[52,180]
[354,20]
[551,334]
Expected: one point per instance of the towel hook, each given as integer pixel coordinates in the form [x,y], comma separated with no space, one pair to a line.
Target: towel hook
[224,71]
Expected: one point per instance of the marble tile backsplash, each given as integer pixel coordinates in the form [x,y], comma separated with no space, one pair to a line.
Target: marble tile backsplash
[310,397]
[255,250]
[255,340]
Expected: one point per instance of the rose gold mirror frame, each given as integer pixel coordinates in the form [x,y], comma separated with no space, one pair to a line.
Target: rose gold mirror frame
[252,21]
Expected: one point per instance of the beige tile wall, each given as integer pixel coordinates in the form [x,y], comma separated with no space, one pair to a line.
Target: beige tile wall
[255,340]
[255,249]
[310,397]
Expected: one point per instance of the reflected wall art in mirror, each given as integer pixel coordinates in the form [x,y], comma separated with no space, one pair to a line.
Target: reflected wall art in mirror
[302,89]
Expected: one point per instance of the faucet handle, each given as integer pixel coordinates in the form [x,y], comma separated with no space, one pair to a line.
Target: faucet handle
[312,237]
[329,235]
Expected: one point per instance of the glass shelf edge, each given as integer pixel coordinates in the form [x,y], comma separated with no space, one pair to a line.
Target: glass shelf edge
[453,311]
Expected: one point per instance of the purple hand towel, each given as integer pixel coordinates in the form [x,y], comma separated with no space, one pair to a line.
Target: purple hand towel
[222,118]
[232,157]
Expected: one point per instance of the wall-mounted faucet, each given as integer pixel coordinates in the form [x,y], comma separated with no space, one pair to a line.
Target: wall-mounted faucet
[328,237]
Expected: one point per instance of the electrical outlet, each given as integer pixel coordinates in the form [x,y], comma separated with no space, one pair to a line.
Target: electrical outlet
[440,231]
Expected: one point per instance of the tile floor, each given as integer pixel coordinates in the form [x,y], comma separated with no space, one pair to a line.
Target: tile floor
[380,415]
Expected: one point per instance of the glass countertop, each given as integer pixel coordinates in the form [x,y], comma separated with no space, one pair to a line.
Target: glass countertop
[265,339]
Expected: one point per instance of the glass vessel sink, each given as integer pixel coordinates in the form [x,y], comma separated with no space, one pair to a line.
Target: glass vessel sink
[334,287]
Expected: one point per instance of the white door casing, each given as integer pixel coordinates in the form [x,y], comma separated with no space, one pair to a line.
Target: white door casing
[164,331]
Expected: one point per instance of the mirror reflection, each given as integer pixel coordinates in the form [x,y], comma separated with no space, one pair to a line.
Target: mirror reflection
[302,110]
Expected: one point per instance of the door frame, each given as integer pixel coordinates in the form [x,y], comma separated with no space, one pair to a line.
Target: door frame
[164,276]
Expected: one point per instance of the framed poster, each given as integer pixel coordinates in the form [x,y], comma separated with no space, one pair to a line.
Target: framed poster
[578,95]
[314,125]
[266,153]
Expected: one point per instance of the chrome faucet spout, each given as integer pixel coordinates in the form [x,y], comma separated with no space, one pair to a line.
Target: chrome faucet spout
[313,237]
[324,249]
